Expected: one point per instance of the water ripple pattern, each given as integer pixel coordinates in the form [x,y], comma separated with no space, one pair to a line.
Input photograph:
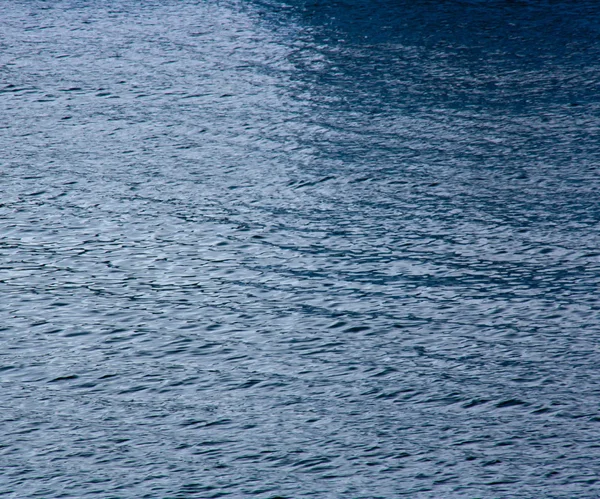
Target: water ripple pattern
[292,249]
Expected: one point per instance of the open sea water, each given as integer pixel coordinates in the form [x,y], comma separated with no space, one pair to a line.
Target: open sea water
[330,249]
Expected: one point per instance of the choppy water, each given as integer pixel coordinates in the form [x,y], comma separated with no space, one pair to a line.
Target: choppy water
[265,249]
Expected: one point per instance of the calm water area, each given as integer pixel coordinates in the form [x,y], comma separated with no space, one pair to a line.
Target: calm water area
[340,249]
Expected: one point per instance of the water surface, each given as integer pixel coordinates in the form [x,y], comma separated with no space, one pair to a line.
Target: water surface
[299,249]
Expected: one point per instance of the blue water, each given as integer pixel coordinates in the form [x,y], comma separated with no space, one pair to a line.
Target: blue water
[294,249]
